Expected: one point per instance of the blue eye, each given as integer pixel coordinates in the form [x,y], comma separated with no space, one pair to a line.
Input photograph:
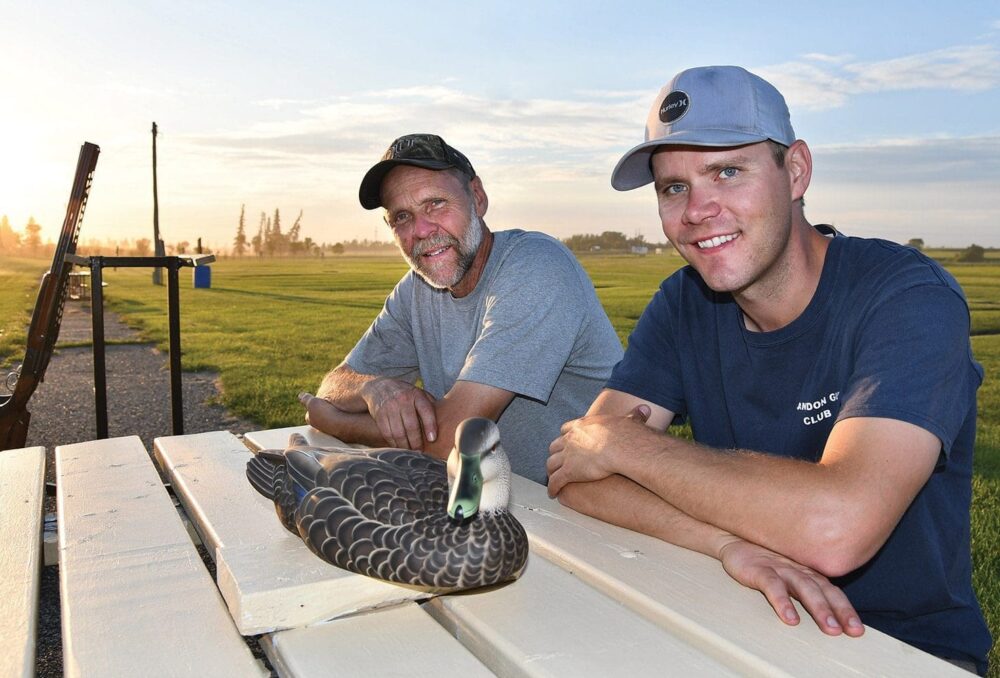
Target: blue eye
[729,173]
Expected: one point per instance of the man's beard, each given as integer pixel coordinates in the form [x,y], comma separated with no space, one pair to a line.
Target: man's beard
[465,249]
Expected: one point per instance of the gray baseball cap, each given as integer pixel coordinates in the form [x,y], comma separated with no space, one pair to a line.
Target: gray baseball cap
[428,151]
[707,106]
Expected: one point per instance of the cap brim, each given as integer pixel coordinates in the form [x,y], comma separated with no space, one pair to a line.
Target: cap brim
[370,193]
[634,170]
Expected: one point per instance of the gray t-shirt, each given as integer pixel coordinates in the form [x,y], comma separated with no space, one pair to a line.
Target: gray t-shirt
[532,326]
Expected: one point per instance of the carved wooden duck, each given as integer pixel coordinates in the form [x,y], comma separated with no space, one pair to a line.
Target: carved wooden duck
[401,515]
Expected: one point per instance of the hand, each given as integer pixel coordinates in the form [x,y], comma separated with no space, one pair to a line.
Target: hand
[582,452]
[305,399]
[317,409]
[404,413]
[780,579]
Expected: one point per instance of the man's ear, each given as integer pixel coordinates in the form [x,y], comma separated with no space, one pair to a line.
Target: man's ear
[479,196]
[798,163]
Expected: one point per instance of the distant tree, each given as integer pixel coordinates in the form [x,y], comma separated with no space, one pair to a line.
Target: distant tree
[182,247]
[142,246]
[337,248]
[916,243]
[269,248]
[240,241]
[32,237]
[10,240]
[972,253]
[257,243]
[294,244]
[276,241]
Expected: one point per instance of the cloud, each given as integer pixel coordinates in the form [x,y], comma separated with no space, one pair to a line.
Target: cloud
[566,136]
[819,82]
[969,160]
[971,68]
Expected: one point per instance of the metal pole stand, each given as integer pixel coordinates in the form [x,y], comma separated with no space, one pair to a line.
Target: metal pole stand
[173,264]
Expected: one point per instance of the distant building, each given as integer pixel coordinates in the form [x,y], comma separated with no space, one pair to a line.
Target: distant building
[639,249]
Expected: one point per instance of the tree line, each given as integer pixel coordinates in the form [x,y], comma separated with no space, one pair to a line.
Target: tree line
[271,241]
[29,242]
[608,241]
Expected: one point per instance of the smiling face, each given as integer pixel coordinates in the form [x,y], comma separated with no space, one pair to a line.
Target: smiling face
[435,220]
[730,213]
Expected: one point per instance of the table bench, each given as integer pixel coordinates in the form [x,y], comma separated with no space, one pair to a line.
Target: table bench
[135,595]
[595,599]
[22,491]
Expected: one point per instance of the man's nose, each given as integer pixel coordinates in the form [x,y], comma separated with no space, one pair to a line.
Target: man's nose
[423,226]
[702,204]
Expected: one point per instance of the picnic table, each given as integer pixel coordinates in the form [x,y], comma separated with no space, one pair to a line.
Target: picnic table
[594,600]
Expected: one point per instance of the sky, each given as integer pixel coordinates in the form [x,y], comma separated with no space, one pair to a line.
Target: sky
[287,104]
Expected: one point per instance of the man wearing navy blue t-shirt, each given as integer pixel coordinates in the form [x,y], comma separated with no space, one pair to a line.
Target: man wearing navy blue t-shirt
[828,381]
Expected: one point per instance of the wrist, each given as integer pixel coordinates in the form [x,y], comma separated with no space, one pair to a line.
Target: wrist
[722,543]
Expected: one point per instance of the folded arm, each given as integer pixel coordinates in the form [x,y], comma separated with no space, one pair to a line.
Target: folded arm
[382,411]
[832,515]
[619,500]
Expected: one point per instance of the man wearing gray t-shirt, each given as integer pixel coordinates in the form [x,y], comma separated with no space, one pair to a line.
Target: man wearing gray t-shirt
[502,325]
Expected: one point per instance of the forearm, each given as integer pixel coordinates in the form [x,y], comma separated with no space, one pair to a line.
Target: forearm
[622,502]
[350,427]
[343,387]
[787,505]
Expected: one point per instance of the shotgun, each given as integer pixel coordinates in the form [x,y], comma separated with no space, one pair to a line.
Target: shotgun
[47,316]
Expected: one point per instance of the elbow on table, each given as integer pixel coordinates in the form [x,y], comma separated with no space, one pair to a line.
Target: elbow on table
[837,545]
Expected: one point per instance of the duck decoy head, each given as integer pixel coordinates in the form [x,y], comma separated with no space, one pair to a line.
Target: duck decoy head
[474,438]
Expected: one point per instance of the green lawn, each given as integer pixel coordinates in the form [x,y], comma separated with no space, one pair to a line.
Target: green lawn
[273,328]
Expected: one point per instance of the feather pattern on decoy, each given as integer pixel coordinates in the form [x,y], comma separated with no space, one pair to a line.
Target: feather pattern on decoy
[400,515]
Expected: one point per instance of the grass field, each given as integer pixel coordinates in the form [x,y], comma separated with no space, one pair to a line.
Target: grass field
[273,328]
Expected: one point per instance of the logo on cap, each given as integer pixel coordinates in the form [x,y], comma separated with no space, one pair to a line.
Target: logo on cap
[674,107]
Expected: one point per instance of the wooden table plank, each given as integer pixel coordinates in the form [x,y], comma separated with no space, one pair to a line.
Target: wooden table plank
[135,594]
[685,592]
[277,438]
[549,623]
[268,577]
[400,641]
[22,489]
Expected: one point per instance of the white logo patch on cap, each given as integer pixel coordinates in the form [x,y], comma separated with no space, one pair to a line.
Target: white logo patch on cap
[674,107]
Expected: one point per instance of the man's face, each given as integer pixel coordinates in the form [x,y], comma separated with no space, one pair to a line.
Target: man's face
[434,222]
[728,212]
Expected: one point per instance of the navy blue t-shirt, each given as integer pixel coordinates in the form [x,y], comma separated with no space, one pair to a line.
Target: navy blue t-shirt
[885,335]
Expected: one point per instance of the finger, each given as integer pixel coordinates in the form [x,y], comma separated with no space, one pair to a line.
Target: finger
[391,429]
[556,483]
[568,426]
[553,464]
[845,613]
[640,413]
[385,432]
[813,598]
[304,398]
[411,428]
[557,445]
[427,416]
[776,592]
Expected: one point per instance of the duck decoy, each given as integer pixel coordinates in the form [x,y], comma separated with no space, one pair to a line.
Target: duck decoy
[400,515]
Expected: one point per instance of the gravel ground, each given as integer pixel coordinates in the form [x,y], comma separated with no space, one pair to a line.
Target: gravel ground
[62,411]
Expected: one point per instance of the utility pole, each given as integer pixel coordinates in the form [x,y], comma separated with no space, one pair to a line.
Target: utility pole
[158,249]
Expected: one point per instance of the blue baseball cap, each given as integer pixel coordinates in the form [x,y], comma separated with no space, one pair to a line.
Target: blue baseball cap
[707,106]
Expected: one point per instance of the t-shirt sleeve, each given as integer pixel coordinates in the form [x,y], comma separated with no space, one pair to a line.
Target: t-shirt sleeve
[387,347]
[535,308]
[650,368]
[914,363]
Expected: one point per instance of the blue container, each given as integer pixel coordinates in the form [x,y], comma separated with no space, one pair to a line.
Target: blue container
[202,276]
